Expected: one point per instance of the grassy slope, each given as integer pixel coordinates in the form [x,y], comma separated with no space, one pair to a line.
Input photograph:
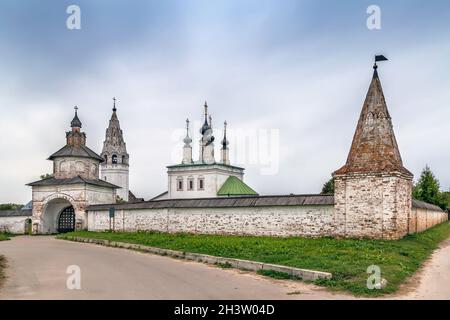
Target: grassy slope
[347,259]
[2,259]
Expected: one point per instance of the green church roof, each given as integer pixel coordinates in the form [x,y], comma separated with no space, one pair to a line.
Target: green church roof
[233,186]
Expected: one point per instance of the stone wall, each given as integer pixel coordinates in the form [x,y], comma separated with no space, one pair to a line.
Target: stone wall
[310,221]
[14,224]
[371,205]
[423,219]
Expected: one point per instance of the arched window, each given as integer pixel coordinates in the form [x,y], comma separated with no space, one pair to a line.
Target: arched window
[180,184]
[123,159]
[106,158]
[114,158]
[201,183]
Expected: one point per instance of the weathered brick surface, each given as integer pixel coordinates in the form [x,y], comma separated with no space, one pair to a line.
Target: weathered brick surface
[375,206]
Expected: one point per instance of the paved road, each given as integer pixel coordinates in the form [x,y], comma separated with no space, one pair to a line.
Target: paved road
[37,270]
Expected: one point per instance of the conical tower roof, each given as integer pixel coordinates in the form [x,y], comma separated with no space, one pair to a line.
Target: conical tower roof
[374,148]
[114,142]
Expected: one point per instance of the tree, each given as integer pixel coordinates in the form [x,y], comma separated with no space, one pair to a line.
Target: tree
[428,189]
[10,206]
[328,187]
[46,176]
[446,197]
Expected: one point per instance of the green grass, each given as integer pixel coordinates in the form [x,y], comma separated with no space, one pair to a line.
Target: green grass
[347,259]
[2,268]
[2,259]
[4,236]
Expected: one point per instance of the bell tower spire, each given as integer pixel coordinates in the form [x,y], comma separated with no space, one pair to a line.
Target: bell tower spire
[115,168]
[187,149]
[206,149]
[225,152]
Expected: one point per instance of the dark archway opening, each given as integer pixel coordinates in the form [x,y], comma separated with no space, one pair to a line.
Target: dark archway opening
[66,220]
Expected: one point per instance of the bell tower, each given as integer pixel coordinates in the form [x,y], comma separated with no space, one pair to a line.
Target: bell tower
[115,168]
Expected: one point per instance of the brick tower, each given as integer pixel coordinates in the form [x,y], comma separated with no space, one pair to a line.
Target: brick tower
[373,189]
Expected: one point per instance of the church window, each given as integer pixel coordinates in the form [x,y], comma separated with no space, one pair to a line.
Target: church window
[201,184]
[79,166]
[190,184]
[114,159]
[106,158]
[180,184]
[123,159]
[63,166]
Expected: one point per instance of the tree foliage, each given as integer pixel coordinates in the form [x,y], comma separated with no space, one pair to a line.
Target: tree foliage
[10,206]
[328,187]
[428,189]
[46,176]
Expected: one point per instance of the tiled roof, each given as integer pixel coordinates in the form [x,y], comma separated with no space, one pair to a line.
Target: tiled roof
[226,202]
[76,151]
[15,213]
[374,148]
[76,180]
[240,202]
[234,186]
[424,205]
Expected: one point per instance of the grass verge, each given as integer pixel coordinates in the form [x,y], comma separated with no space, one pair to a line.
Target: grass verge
[347,259]
[4,236]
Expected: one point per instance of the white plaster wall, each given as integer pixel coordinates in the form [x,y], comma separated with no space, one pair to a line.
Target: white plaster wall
[312,221]
[214,178]
[118,175]
[14,225]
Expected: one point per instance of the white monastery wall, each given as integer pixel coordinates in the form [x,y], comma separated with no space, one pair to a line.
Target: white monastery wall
[14,224]
[312,221]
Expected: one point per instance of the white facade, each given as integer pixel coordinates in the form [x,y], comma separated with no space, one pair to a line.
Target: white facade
[115,167]
[185,181]
[118,175]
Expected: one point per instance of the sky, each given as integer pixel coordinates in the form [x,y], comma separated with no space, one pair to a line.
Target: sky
[290,78]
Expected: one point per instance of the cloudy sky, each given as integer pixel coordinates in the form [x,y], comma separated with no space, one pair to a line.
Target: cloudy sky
[289,76]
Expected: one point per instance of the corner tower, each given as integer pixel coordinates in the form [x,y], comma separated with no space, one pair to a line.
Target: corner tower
[373,189]
[115,168]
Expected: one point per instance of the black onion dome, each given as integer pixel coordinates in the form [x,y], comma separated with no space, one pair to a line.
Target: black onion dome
[76,123]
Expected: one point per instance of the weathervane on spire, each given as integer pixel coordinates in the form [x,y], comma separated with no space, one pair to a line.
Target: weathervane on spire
[379,58]
[114,104]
